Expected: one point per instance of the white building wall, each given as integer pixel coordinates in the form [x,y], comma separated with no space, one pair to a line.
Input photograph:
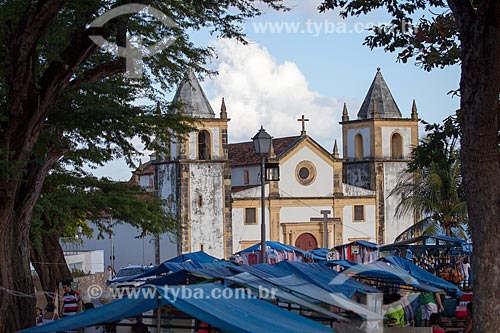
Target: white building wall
[359,229]
[207,220]
[351,134]
[387,133]
[393,171]
[322,184]
[237,175]
[167,179]
[301,214]
[245,232]
[174,154]
[147,181]
[128,249]
[214,139]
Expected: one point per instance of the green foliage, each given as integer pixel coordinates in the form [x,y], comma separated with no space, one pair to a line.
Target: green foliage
[433,184]
[82,110]
[431,39]
[70,199]
[440,147]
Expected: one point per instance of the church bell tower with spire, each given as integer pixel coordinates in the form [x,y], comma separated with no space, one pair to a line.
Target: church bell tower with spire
[195,178]
[377,148]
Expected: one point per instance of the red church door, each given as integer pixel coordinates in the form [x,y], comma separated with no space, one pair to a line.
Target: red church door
[306,242]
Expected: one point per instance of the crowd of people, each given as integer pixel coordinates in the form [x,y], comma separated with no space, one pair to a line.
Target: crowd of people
[399,312]
[72,304]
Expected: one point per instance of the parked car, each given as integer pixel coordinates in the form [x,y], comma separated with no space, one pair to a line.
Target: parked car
[127,278]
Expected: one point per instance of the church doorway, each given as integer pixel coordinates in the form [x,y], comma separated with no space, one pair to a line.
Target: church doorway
[306,241]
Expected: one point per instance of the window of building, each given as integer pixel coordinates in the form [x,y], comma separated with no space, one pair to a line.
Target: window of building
[305,172]
[246,177]
[359,213]
[204,145]
[200,200]
[358,148]
[250,215]
[396,147]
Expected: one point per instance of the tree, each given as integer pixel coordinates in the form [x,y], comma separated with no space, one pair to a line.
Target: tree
[437,193]
[62,96]
[69,200]
[433,184]
[465,32]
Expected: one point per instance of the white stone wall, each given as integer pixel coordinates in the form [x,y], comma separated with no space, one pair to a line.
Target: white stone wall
[351,134]
[167,184]
[393,171]
[387,133]
[359,229]
[322,184]
[214,139]
[207,220]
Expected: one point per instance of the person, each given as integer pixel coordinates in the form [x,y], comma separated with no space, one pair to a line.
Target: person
[71,301]
[466,270]
[92,329]
[430,303]
[408,309]
[468,328]
[435,320]
[49,315]
[38,316]
[395,314]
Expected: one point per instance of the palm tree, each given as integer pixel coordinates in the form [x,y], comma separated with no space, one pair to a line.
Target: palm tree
[434,192]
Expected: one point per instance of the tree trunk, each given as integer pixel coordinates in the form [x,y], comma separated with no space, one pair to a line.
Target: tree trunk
[480,88]
[17,294]
[50,264]
[17,200]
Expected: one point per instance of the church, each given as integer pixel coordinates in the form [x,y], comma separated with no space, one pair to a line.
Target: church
[213,187]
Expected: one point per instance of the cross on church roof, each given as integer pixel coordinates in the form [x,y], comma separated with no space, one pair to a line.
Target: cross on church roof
[303,120]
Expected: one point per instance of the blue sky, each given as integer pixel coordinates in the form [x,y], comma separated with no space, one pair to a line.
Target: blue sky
[305,62]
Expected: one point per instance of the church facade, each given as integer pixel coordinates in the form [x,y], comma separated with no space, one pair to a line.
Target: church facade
[213,187]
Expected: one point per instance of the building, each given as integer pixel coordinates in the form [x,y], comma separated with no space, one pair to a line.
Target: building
[194,176]
[213,187]
[377,148]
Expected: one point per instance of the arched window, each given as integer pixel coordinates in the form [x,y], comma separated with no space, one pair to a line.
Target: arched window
[204,145]
[396,147]
[358,148]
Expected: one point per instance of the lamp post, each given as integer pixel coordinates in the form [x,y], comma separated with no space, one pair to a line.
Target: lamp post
[262,144]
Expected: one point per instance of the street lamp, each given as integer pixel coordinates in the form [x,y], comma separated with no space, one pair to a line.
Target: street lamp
[262,144]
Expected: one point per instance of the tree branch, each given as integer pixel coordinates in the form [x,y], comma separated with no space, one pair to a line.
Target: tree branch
[99,72]
[22,49]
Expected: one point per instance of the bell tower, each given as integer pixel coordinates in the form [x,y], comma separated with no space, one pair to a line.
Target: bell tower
[195,179]
[377,148]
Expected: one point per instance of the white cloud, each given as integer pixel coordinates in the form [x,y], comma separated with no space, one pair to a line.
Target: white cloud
[260,91]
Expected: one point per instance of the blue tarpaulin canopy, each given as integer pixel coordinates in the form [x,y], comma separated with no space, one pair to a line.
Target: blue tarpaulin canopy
[360,242]
[323,276]
[195,260]
[343,263]
[273,245]
[318,254]
[198,256]
[426,241]
[422,275]
[214,304]
[329,291]
[388,273]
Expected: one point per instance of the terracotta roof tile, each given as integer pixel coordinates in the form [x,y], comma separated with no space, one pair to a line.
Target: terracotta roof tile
[244,153]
